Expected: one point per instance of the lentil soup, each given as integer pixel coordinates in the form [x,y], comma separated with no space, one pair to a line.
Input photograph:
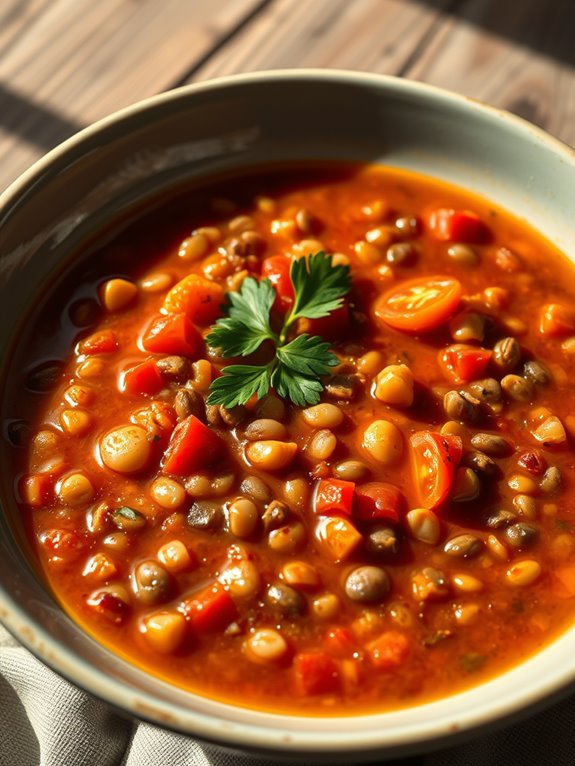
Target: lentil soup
[370,506]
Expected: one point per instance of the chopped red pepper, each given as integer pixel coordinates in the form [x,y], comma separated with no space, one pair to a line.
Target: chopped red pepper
[452,225]
[316,673]
[144,378]
[103,342]
[173,334]
[277,270]
[63,543]
[378,500]
[192,446]
[211,609]
[334,497]
[462,363]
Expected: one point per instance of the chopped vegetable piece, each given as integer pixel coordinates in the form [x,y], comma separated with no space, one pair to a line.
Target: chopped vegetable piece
[340,642]
[192,446]
[452,225]
[35,489]
[434,460]
[210,610]
[377,501]
[334,497]
[144,378]
[462,363]
[199,298]
[102,342]
[316,673]
[339,537]
[388,651]
[331,327]
[419,305]
[277,270]
[173,334]
[557,320]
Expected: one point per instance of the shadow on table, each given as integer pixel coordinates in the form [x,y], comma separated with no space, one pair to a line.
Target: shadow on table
[546,26]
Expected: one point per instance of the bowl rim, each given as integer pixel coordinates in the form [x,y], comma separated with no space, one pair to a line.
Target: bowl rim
[208,727]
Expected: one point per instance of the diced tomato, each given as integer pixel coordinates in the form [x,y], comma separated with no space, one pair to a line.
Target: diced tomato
[211,609]
[334,497]
[338,537]
[557,320]
[192,446]
[419,305]
[197,297]
[173,334]
[377,500]
[340,642]
[63,543]
[102,342]
[109,606]
[277,270]
[389,651]
[462,363]
[451,225]
[316,673]
[35,489]
[332,327]
[434,460]
[144,378]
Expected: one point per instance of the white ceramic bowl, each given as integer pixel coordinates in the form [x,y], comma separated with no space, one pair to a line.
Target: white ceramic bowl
[230,123]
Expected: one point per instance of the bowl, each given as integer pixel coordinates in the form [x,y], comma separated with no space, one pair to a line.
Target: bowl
[221,125]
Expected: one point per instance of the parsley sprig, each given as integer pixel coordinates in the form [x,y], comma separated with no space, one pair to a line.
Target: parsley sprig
[297,363]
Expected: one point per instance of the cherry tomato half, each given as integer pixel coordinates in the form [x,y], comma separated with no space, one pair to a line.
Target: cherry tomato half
[434,458]
[421,304]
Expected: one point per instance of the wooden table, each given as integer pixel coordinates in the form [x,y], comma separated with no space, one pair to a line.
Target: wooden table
[66,63]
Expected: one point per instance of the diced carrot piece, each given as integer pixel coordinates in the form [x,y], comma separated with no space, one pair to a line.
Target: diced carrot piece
[211,609]
[199,298]
[333,497]
[378,500]
[557,320]
[389,650]
[316,673]
[340,642]
[339,537]
[566,581]
[173,334]
[102,342]
[35,489]
[144,378]
[192,446]
[451,225]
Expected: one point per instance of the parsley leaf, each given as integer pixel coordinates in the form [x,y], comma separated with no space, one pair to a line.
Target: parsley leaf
[298,363]
[247,325]
[308,355]
[319,287]
[238,383]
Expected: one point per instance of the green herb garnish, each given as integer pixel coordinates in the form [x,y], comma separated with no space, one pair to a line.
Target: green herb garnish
[297,364]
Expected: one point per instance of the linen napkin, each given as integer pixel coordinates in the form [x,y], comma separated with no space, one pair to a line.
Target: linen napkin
[46,721]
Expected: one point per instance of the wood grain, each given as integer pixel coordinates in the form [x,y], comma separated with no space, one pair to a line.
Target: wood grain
[78,60]
[375,35]
[522,59]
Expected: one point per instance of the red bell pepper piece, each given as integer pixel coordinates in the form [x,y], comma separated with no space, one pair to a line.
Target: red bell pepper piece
[334,497]
[277,270]
[377,500]
[451,225]
[144,378]
[173,334]
[192,446]
[462,363]
[316,673]
[102,342]
[210,610]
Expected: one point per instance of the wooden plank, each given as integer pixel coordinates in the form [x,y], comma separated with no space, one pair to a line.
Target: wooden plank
[520,56]
[375,35]
[79,60]
[15,17]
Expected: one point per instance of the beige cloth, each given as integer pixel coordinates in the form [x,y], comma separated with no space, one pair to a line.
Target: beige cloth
[45,721]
